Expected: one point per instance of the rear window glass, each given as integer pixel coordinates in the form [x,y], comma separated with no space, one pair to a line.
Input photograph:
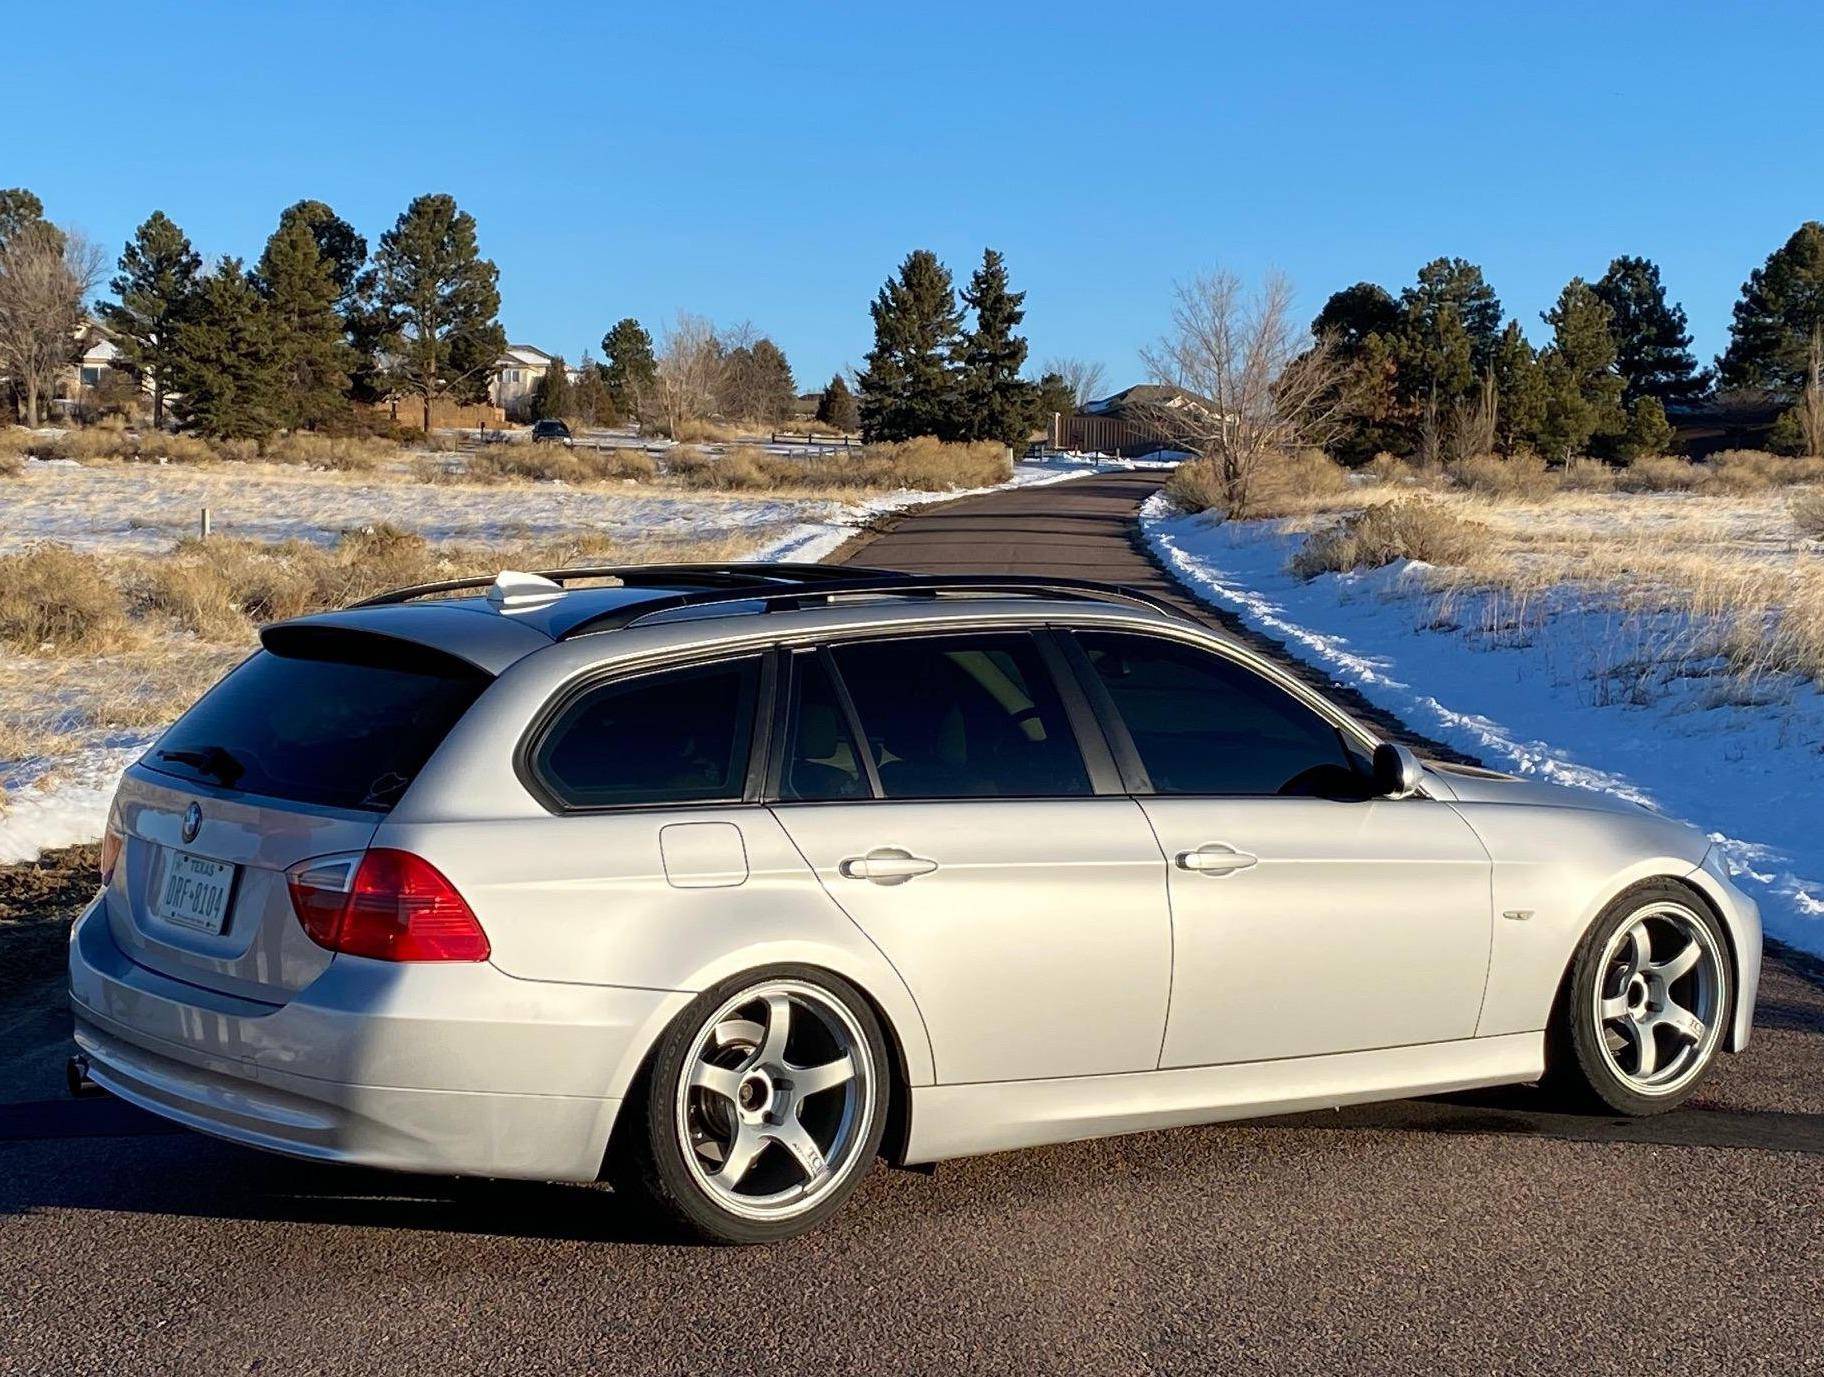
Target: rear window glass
[324,717]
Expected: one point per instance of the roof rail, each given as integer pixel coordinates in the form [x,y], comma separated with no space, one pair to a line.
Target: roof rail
[716,576]
[873,582]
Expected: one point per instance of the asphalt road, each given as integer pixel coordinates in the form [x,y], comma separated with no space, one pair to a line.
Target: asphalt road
[1476,1233]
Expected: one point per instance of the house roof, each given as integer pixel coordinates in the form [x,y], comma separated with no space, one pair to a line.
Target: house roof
[1148,396]
[524,356]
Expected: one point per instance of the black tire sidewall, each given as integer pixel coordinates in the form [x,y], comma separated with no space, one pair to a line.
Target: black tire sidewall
[1580,1064]
[669,1180]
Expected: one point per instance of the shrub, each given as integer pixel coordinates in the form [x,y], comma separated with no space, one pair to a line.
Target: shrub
[1583,474]
[1194,486]
[1523,476]
[1808,513]
[344,453]
[1288,482]
[52,596]
[1743,471]
[547,464]
[1405,528]
[1389,470]
[1659,473]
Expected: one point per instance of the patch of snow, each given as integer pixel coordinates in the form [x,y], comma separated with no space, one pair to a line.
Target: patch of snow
[1541,700]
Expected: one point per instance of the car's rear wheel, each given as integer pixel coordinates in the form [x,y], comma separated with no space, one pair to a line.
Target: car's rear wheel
[764,1106]
[1647,1004]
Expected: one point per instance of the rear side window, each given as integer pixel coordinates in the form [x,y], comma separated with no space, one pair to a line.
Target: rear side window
[821,760]
[962,717]
[321,716]
[677,736]
[1202,724]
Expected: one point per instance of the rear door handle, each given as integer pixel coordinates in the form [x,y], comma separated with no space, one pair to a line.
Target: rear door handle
[1216,858]
[885,865]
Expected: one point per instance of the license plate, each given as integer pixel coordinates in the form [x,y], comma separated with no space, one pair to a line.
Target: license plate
[194,891]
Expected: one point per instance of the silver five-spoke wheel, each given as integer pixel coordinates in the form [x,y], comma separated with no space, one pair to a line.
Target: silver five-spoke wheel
[1659,991]
[778,1089]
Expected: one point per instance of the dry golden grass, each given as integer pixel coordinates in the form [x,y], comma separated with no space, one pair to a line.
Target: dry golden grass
[1405,528]
[1282,485]
[1518,477]
[545,464]
[344,453]
[1808,513]
[51,599]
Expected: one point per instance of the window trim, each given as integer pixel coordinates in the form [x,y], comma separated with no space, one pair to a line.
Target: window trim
[525,754]
[1138,781]
[1085,733]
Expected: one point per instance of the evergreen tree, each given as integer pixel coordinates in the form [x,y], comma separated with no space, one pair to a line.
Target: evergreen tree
[551,399]
[1053,396]
[304,329]
[1519,391]
[1648,431]
[908,386]
[1652,344]
[223,365]
[1582,388]
[158,271]
[1353,314]
[837,406]
[1782,303]
[1450,323]
[18,208]
[994,401]
[364,323]
[589,400]
[441,299]
[628,366]
[756,382]
[1370,412]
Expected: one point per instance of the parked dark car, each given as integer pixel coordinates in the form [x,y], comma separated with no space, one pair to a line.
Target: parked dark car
[555,432]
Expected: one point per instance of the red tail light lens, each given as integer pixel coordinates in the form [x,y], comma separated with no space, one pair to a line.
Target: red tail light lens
[390,905]
[111,844]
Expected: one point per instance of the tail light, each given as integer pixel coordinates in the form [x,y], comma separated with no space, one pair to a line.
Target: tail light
[390,905]
[112,841]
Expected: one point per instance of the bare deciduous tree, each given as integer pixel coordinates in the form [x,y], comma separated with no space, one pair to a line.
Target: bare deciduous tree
[1247,383]
[1811,400]
[688,373]
[45,275]
[1084,378]
[1473,421]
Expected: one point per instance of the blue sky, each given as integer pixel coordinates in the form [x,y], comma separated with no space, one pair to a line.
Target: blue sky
[774,163]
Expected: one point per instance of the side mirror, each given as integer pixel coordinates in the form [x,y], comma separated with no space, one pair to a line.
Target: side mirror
[1397,771]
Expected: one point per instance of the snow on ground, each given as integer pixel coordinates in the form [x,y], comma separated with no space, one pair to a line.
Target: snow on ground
[46,804]
[1526,700]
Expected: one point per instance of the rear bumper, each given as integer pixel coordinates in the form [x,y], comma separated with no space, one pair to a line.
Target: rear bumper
[448,1068]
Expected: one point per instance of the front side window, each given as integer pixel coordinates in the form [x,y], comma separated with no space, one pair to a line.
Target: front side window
[1202,724]
[962,717]
[677,736]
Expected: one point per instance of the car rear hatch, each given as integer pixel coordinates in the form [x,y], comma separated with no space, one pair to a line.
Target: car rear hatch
[297,754]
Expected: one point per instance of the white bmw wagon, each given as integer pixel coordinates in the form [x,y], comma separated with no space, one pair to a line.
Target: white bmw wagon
[722,882]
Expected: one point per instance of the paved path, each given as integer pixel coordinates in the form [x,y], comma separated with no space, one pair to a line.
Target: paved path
[1461,1234]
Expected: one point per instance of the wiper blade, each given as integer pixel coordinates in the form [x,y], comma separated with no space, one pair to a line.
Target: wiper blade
[218,761]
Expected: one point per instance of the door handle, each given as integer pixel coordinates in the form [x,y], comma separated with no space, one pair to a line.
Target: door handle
[885,865]
[1216,858]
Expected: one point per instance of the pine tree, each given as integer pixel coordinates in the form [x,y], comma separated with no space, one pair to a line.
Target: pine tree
[836,408]
[1520,390]
[1582,388]
[628,366]
[158,272]
[304,329]
[441,300]
[1450,322]
[364,323]
[994,401]
[1053,396]
[18,208]
[1652,344]
[589,400]
[908,386]
[551,399]
[223,364]
[1648,431]
[1782,303]
[1353,314]
[756,382]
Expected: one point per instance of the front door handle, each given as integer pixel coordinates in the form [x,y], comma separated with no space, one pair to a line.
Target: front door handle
[1216,858]
[885,865]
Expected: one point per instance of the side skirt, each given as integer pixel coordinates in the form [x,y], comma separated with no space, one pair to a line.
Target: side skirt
[962,1120]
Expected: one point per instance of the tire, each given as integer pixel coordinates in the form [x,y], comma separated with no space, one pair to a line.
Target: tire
[1632,1032]
[726,1092]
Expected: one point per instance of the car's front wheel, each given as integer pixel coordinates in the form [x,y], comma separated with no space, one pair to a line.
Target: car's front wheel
[764,1105]
[1647,1004]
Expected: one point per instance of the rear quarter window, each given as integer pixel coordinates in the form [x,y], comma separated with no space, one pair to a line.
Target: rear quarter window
[322,716]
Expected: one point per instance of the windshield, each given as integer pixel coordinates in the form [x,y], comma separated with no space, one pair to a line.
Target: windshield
[322,716]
